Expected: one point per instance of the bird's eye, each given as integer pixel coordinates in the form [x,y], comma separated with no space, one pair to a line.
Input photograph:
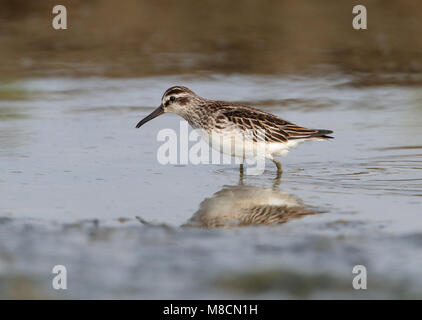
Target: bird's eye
[172,98]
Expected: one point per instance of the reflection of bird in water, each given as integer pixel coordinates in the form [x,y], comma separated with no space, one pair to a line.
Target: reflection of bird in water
[247,205]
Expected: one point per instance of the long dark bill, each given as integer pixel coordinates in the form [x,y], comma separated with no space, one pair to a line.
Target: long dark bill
[154,114]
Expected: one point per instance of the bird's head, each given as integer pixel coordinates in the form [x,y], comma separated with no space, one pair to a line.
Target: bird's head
[176,99]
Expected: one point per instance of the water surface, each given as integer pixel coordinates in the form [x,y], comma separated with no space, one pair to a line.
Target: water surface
[81,187]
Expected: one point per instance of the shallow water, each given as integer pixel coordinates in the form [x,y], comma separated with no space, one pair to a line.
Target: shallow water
[81,187]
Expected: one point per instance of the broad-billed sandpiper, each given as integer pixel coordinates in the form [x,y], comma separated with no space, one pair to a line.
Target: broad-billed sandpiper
[218,120]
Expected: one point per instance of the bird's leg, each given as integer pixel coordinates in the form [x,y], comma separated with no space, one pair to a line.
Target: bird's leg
[279,169]
[241,174]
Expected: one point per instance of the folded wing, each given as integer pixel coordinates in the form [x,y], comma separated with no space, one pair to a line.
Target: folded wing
[265,126]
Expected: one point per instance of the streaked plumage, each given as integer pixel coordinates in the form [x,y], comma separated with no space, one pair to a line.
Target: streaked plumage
[226,119]
[236,206]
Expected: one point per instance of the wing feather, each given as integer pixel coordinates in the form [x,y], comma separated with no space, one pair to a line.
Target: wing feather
[265,125]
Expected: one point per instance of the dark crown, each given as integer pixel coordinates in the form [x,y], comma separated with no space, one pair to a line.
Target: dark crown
[177,90]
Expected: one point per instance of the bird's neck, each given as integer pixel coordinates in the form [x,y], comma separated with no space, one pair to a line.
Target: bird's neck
[196,115]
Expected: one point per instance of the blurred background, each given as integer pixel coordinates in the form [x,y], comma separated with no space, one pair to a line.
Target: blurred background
[139,38]
[81,187]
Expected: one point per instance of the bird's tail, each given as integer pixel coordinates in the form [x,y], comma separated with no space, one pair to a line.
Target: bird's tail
[322,134]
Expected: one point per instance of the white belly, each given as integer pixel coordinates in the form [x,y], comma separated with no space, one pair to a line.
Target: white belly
[236,145]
